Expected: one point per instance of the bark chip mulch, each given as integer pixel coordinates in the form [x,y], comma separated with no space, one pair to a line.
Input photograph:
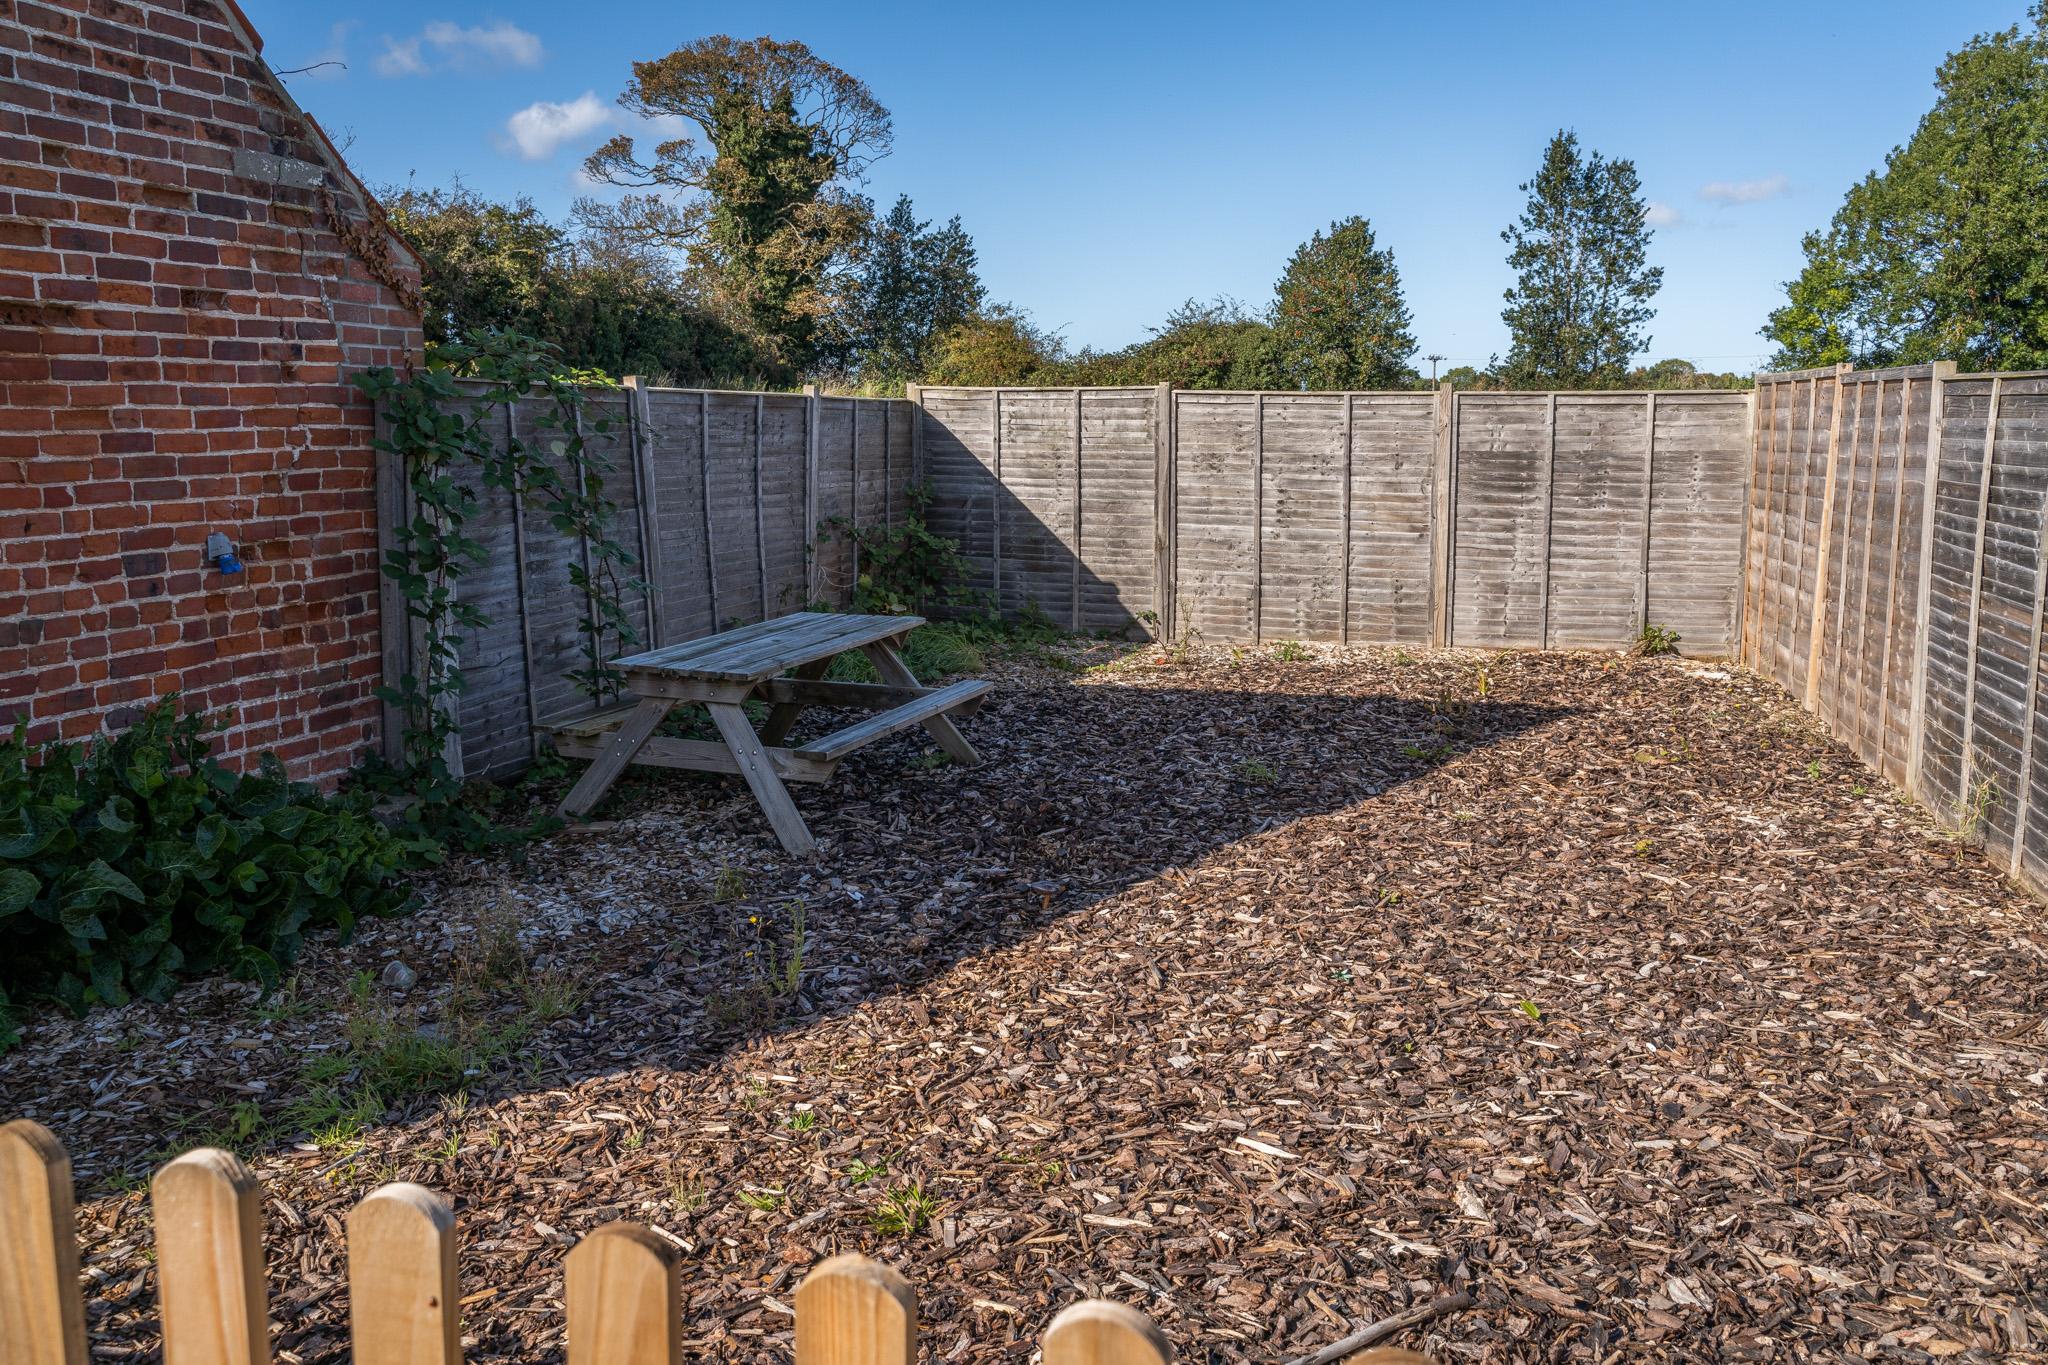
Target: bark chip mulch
[1270,996]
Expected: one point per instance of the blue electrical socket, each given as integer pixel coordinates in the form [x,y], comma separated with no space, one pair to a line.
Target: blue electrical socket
[222,552]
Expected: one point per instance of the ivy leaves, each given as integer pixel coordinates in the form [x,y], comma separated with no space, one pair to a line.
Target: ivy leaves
[446,421]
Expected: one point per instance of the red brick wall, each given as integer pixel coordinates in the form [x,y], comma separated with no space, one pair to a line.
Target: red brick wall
[180,311]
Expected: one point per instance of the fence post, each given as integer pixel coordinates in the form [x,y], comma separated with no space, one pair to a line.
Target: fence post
[1891,586]
[1969,753]
[1442,514]
[1863,574]
[852,1311]
[42,1313]
[1076,589]
[914,395]
[1344,515]
[810,392]
[1101,1332]
[624,1294]
[2023,813]
[704,471]
[1816,643]
[1258,517]
[995,499]
[404,1301]
[1164,514]
[639,414]
[1549,500]
[761,502]
[1649,498]
[209,1260]
[1937,401]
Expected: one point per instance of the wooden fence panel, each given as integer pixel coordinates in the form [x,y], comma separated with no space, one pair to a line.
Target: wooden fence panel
[1391,511]
[1040,434]
[1695,542]
[961,460]
[1501,520]
[1599,518]
[1216,532]
[1301,516]
[1119,476]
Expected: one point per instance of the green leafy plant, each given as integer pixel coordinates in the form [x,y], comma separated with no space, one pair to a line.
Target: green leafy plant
[445,420]
[1291,652]
[140,859]
[1655,640]
[903,1211]
[1256,771]
[904,567]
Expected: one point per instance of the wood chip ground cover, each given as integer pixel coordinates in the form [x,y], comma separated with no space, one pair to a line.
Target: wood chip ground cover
[1269,996]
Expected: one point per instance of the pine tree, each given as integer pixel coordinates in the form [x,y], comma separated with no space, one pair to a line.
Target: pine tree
[1339,321]
[915,285]
[1583,282]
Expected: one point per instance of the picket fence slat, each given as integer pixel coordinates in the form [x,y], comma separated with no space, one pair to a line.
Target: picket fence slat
[622,1284]
[404,1302]
[42,1314]
[209,1245]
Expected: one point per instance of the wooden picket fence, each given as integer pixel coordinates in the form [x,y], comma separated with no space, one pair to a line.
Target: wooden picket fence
[623,1282]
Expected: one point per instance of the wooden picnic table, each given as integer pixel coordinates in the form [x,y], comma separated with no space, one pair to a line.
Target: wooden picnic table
[781,662]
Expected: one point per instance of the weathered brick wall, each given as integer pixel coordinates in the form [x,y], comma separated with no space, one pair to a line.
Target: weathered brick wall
[188,277]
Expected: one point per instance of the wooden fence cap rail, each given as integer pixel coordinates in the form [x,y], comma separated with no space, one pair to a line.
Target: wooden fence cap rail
[42,1313]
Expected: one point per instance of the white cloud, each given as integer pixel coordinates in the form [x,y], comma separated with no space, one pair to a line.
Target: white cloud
[1745,191]
[445,46]
[539,130]
[1661,214]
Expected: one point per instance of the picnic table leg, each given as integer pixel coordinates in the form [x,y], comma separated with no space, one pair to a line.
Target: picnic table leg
[768,790]
[626,741]
[882,654]
[783,714]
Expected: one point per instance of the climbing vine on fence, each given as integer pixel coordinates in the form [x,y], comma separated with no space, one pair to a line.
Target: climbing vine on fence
[445,419]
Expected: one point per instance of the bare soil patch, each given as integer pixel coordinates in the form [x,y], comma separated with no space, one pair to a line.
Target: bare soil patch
[1269,996]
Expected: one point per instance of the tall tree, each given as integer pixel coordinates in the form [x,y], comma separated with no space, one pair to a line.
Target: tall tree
[915,284]
[1583,283]
[1339,321]
[1939,257]
[765,207]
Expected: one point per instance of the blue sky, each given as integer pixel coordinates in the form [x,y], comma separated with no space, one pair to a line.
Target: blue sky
[1112,160]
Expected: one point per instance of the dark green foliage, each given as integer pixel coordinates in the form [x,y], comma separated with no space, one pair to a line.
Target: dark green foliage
[904,568]
[140,859]
[1216,345]
[442,429]
[601,299]
[765,210]
[1583,283]
[1939,256]
[998,345]
[1339,321]
[1663,374]
[916,283]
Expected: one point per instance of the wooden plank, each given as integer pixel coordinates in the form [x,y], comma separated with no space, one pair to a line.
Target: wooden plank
[1549,486]
[1917,713]
[404,1301]
[42,1312]
[856,695]
[2024,812]
[759,771]
[1258,517]
[837,745]
[623,1289]
[1642,621]
[209,1258]
[763,649]
[996,497]
[1164,588]
[853,488]
[1099,1332]
[1892,575]
[1971,642]
[1863,574]
[710,531]
[699,756]
[1443,519]
[1074,612]
[852,1311]
[891,668]
[641,422]
[811,566]
[604,770]
[1344,556]
[761,502]
[1816,642]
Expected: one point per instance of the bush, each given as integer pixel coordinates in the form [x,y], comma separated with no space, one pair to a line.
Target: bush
[141,859]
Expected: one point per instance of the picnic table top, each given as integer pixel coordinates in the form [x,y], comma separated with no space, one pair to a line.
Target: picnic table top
[767,649]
